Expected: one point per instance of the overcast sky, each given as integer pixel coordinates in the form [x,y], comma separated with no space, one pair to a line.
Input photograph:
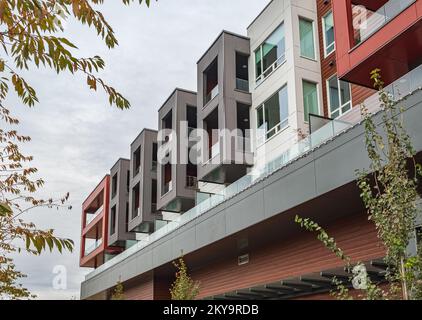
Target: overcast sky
[77,136]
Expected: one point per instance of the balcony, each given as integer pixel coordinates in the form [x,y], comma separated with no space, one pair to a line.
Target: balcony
[91,216]
[242,85]
[376,20]
[387,37]
[93,247]
[267,72]
[211,95]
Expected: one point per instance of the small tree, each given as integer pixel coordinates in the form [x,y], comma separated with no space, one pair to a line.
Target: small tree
[118,292]
[183,288]
[389,193]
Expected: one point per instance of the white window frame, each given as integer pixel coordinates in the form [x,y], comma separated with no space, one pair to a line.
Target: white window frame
[275,65]
[341,113]
[303,102]
[327,53]
[279,127]
[313,39]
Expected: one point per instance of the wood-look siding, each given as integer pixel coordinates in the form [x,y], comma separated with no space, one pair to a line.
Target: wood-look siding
[328,64]
[140,289]
[292,257]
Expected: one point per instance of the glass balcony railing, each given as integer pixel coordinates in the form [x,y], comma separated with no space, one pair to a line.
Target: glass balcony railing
[93,246]
[91,216]
[167,187]
[398,89]
[211,95]
[191,182]
[215,150]
[243,144]
[242,84]
[267,72]
[376,20]
[154,166]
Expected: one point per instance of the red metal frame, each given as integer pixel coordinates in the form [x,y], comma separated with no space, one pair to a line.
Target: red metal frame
[90,260]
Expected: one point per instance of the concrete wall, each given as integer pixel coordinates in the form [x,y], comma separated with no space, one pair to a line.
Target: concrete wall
[177,103]
[224,50]
[144,177]
[119,201]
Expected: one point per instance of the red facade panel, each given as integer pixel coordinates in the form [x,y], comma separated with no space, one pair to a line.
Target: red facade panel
[141,288]
[329,64]
[98,226]
[395,47]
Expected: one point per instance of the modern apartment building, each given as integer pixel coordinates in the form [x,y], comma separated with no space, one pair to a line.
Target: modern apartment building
[223,106]
[177,180]
[143,184]
[280,107]
[118,228]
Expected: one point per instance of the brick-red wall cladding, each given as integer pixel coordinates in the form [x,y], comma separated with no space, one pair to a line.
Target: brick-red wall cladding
[359,93]
[292,257]
[142,289]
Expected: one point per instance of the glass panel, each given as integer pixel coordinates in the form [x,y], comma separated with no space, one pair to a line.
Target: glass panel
[306,31]
[258,62]
[310,99]
[274,47]
[344,92]
[260,113]
[329,32]
[334,95]
[272,111]
[284,106]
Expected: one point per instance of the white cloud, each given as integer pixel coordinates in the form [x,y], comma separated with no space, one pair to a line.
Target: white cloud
[77,137]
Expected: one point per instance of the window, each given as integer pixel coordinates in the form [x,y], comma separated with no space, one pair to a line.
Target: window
[154,157]
[310,99]
[242,76]
[127,217]
[328,33]
[273,115]
[211,82]
[306,31]
[135,201]
[114,186]
[270,54]
[113,221]
[339,101]
[136,161]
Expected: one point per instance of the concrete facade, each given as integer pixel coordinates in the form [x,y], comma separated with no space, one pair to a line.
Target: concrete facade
[181,196]
[144,176]
[119,204]
[223,51]
[291,73]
